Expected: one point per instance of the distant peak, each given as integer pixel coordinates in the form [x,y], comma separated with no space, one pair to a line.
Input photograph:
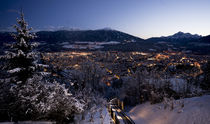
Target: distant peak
[106,29]
[181,34]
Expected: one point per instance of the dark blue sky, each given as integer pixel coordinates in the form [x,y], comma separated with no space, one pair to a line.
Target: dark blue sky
[143,18]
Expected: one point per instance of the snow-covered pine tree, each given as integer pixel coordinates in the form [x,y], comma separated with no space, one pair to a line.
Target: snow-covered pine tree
[24,94]
[22,60]
[20,65]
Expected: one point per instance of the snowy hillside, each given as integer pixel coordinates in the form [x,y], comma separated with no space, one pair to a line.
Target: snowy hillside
[195,111]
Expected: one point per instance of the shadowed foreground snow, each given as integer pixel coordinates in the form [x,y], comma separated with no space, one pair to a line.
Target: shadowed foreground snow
[29,122]
[96,120]
[196,111]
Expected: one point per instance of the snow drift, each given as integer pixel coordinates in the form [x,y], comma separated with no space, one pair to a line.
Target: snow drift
[196,110]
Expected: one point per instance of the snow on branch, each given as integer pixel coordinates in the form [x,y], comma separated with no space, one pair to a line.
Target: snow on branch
[15,70]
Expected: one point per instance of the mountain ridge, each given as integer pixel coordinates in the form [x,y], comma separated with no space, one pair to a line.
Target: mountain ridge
[78,35]
[64,40]
[177,36]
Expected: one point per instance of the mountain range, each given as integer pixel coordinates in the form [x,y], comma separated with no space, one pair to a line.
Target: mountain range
[179,36]
[104,39]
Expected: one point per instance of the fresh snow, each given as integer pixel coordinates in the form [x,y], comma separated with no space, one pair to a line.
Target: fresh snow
[29,122]
[97,119]
[14,70]
[196,110]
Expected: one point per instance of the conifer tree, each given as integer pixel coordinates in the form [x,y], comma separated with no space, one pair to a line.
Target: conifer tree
[24,93]
[22,60]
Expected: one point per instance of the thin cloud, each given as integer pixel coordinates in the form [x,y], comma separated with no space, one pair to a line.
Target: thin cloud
[13,11]
[7,29]
[56,28]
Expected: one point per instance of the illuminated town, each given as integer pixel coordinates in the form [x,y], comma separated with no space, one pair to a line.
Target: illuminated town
[118,64]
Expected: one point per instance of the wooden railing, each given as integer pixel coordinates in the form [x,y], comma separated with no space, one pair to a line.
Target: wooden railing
[116,111]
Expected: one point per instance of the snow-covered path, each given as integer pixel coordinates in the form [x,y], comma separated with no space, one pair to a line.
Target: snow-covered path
[196,111]
[97,119]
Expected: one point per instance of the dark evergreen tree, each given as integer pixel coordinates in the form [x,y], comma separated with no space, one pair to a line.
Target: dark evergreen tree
[22,60]
[24,94]
[20,63]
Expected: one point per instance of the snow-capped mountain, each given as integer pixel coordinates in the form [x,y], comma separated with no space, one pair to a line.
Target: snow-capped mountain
[181,35]
[177,37]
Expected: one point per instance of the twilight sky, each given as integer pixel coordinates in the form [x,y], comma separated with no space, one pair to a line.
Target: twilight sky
[142,18]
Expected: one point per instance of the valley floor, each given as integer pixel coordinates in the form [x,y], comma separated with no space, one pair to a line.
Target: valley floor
[196,110]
